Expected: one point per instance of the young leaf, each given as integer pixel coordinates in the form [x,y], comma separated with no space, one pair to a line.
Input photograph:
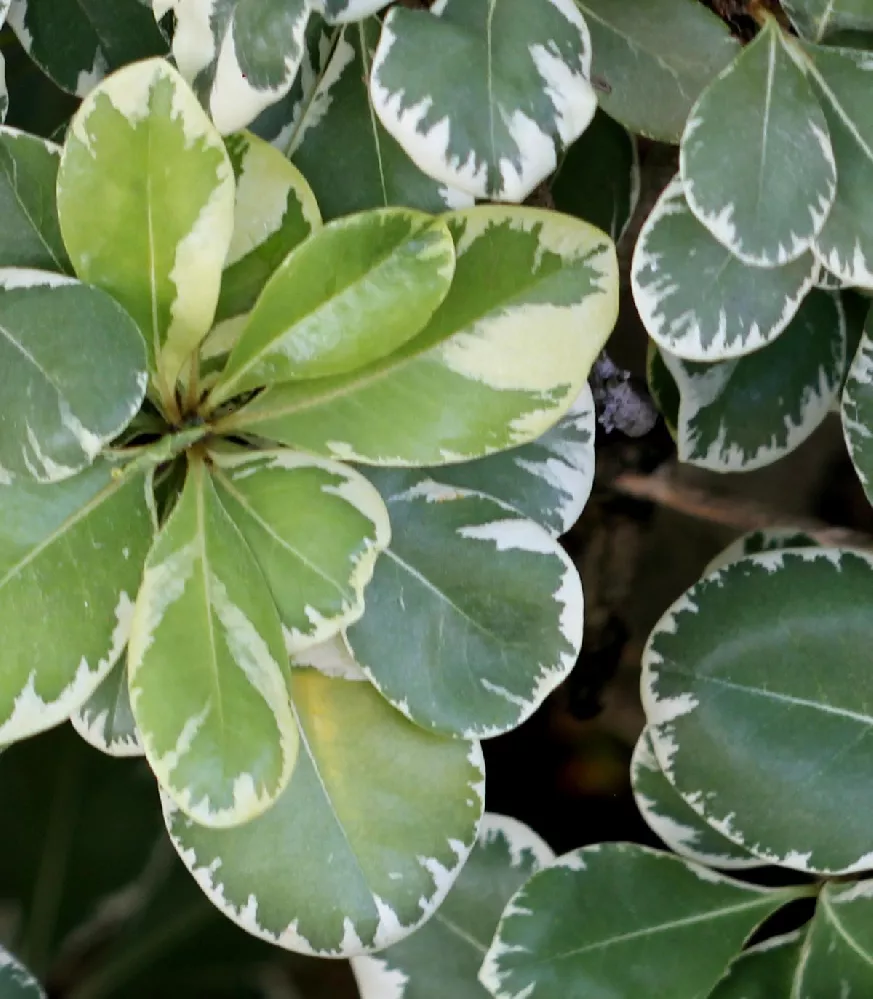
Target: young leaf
[353,293]
[761,117]
[839,945]
[764,971]
[700,302]
[818,19]
[205,666]
[771,539]
[141,146]
[76,44]
[755,692]
[474,614]
[239,55]
[668,50]
[275,212]
[73,374]
[857,412]
[535,296]
[29,232]
[351,161]
[16,982]
[663,388]
[495,131]
[443,957]
[633,922]
[105,721]
[364,843]
[743,414]
[674,822]
[315,527]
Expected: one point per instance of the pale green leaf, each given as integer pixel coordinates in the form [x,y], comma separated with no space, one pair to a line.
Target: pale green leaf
[141,148]
[621,920]
[364,843]
[771,539]
[819,19]
[353,293]
[857,412]
[534,299]
[668,50]
[315,527]
[16,982]
[206,665]
[700,302]
[443,958]
[754,686]
[495,132]
[474,614]
[663,388]
[839,945]
[761,116]
[764,971]
[105,721]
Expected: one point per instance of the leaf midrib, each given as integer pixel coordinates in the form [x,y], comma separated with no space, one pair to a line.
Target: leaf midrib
[13,186]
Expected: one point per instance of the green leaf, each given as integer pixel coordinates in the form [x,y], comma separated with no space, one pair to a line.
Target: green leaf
[548,480]
[598,178]
[839,945]
[819,19]
[663,388]
[611,920]
[342,11]
[364,843]
[668,50]
[743,414]
[443,957]
[753,686]
[351,161]
[29,232]
[205,666]
[352,294]
[71,554]
[474,614]
[105,721]
[765,971]
[4,94]
[674,822]
[761,116]
[73,374]
[275,212]
[495,133]
[534,299]
[76,44]
[16,982]
[771,539]
[315,527]
[700,302]
[141,147]
[857,412]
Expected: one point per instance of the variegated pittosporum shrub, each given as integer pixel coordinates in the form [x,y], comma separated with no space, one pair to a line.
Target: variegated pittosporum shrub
[217,412]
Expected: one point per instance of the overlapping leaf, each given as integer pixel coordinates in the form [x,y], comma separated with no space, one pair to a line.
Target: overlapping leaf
[857,412]
[762,116]
[533,300]
[105,721]
[818,19]
[764,971]
[771,539]
[494,131]
[4,94]
[755,689]
[839,945]
[663,388]
[364,843]
[342,11]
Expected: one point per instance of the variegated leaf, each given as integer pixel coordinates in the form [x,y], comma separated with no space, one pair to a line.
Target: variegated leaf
[663,388]
[332,658]
[857,411]
[72,374]
[762,116]
[700,302]
[839,945]
[4,94]
[821,19]
[738,415]
[350,295]
[239,55]
[534,298]
[343,149]
[76,44]
[763,971]
[771,539]
[494,132]
[142,147]
[16,982]
[206,666]
[365,842]
[316,529]
[343,11]
[105,721]
[71,554]
[443,958]
[474,614]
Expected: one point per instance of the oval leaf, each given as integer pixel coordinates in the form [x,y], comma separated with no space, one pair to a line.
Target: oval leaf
[315,528]
[105,721]
[493,134]
[772,539]
[753,687]
[534,299]
[839,946]
[765,971]
[141,146]
[626,913]
[353,293]
[364,843]
[761,116]
[205,666]
[700,302]
[474,614]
